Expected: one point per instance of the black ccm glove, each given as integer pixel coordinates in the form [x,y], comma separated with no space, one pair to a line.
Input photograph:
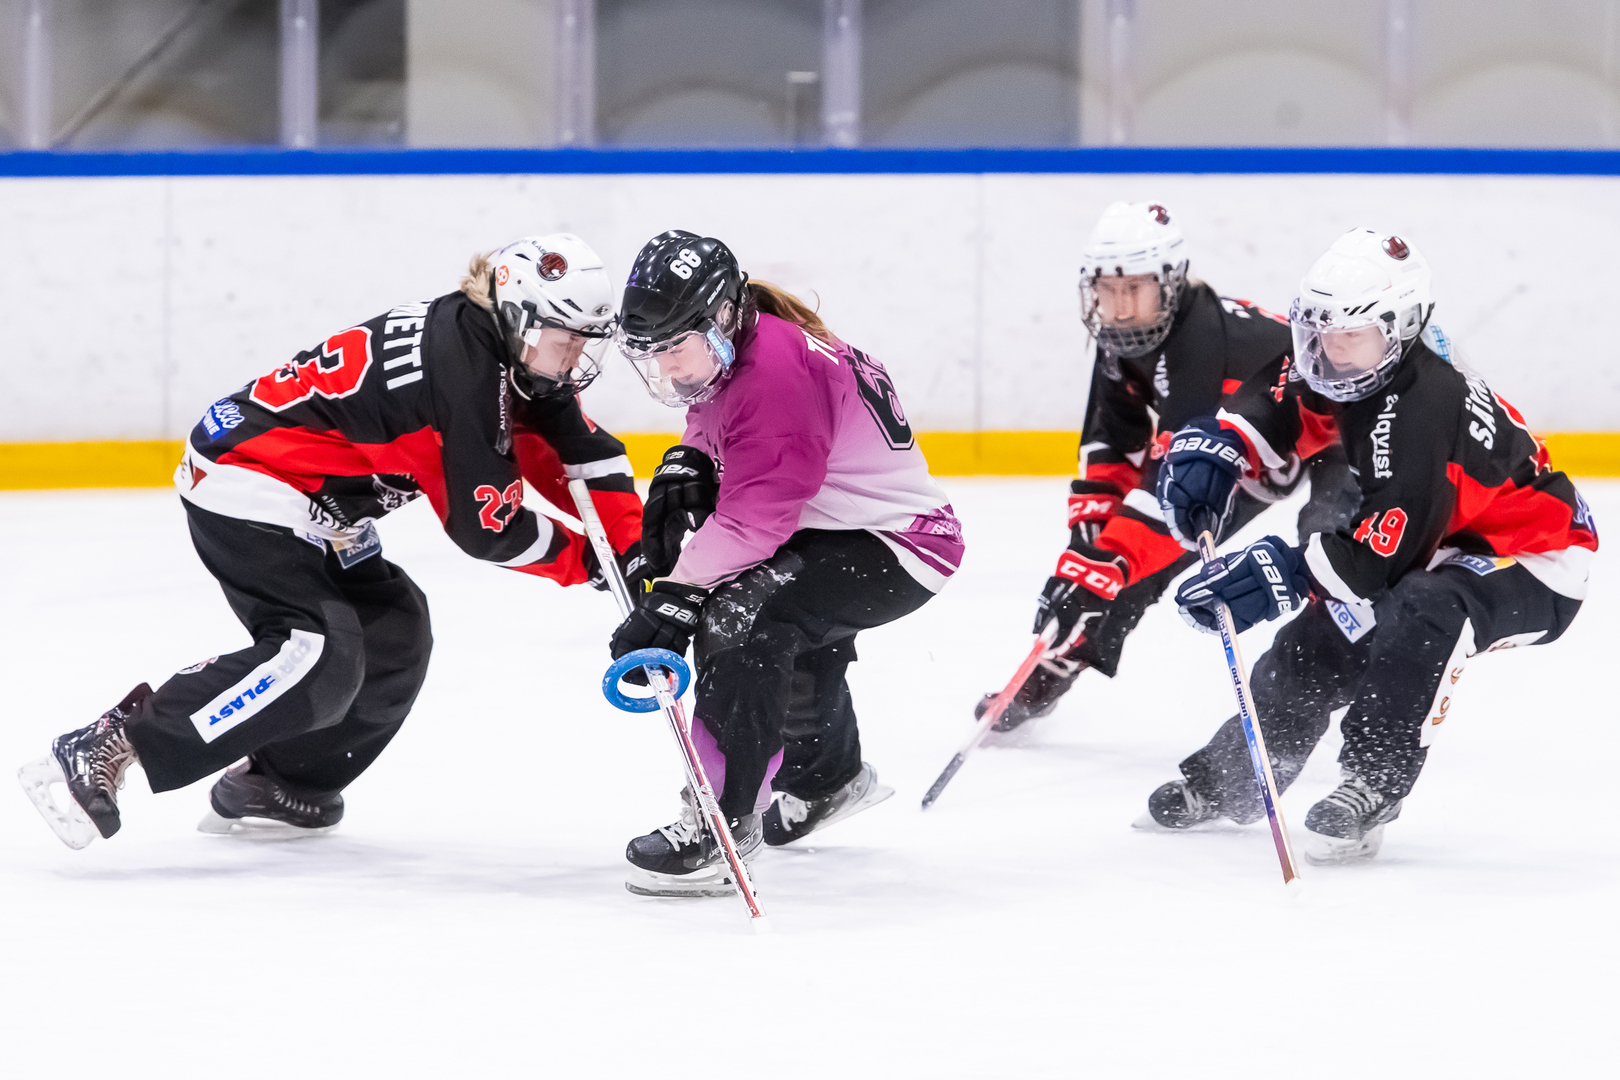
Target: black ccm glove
[632,567]
[1198,479]
[665,619]
[1264,580]
[680,499]
[1083,587]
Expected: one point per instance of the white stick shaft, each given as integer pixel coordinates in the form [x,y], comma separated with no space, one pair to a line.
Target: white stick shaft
[597,535]
[663,688]
[1250,718]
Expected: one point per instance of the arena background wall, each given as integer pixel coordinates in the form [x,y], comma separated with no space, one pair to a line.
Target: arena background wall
[130,302]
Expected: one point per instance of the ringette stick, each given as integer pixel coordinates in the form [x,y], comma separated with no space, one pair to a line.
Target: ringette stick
[663,686]
[998,705]
[1251,723]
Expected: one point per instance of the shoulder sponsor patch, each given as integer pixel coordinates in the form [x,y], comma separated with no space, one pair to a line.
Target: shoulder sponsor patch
[222,416]
[264,684]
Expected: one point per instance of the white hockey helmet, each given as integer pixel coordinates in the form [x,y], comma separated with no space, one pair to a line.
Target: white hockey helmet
[1359,309]
[553,304]
[1133,238]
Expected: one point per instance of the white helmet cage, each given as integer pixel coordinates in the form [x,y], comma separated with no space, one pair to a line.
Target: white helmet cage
[552,297]
[1133,238]
[1366,279]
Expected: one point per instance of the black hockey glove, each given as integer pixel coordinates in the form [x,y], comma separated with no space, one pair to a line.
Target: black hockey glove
[632,567]
[665,619]
[1083,589]
[1198,478]
[1263,581]
[1091,504]
[681,499]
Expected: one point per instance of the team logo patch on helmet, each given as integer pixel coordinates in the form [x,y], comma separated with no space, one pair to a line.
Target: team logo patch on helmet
[501,274]
[1160,214]
[1396,248]
[553,266]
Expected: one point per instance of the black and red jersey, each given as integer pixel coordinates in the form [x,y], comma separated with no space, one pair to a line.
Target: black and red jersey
[413,402]
[1442,463]
[1214,346]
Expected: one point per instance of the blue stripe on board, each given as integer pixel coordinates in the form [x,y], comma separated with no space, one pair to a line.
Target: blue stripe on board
[271,161]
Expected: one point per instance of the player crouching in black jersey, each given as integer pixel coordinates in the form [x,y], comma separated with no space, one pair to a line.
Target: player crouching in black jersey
[460,399]
[1169,349]
[1466,541]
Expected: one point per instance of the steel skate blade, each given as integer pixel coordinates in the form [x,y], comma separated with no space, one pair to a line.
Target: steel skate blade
[67,818]
[1323,850]
[647,883]
[1146,823]
[256,829]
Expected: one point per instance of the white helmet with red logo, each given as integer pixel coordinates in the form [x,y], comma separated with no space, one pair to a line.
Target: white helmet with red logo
[553,303]
[1359,309]
[1133,238]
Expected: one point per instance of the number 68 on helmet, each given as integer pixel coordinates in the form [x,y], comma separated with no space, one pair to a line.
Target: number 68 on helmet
[682,308]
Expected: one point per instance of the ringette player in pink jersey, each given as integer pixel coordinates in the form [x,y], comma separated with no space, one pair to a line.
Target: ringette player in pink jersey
[815,517]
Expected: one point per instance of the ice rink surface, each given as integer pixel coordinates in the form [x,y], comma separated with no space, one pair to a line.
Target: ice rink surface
[469,917]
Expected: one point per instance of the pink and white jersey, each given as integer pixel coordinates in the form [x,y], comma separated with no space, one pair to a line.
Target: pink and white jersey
[809,435]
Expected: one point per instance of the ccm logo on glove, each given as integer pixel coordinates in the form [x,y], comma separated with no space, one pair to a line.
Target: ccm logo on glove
[1092,507]
[1105,579]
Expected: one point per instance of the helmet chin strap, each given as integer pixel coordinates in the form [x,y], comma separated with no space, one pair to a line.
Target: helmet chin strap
[1417,337]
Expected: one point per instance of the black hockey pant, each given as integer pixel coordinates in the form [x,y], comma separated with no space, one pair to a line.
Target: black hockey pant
[1334,499]
[338,656]
[1398,679]
[772,650]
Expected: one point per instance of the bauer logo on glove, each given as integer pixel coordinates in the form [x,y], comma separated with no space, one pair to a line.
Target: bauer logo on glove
[1198,479]
[1265,580]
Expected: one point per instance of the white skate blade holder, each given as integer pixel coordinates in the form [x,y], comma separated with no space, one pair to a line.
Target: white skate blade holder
[66,817]
[669,887]
[256,829]
[1323,850]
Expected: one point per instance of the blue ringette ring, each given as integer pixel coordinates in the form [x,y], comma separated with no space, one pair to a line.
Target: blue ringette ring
[641,657]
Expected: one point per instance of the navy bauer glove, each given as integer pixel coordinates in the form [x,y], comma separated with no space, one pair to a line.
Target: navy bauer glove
[1198,479]
[1261,582]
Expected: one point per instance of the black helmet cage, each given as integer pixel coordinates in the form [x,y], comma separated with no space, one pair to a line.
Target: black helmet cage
[1135,341]
[512,321]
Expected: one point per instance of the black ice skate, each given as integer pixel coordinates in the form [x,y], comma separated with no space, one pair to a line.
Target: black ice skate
[252,802]
[681,859]
[1348,825]
[789,818]
[91,763]
[1177,806]
[1038,696]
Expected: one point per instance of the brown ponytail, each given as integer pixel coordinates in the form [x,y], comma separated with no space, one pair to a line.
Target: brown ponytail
[775,300]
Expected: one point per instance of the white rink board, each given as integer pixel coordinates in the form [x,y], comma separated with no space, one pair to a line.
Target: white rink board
[468,919]
[129,304]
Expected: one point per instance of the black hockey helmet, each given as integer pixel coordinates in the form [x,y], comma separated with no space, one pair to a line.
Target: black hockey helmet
[681,285]
[679,281]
